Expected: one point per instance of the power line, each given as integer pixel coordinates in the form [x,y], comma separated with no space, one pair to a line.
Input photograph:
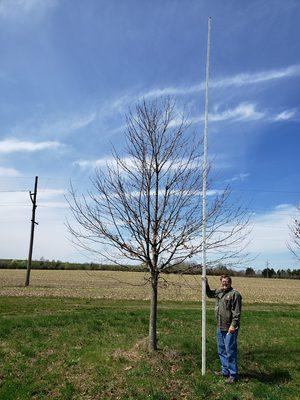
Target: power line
[14,205]
[14,191]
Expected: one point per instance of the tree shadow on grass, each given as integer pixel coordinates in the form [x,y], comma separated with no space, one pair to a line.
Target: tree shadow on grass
[274,377]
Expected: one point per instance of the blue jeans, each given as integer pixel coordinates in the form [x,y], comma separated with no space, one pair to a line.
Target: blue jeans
[227,350]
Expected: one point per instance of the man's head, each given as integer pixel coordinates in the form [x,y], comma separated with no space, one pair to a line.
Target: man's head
[225,282]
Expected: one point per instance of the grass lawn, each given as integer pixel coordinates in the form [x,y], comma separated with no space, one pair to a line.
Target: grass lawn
[65,348]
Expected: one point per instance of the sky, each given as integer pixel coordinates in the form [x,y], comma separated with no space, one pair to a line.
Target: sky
[70,70]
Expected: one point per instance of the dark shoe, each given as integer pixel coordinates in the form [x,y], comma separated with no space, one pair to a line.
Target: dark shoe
[230,380]
[220,373]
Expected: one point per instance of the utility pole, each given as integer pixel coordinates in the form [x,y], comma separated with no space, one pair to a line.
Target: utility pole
[33,223]
[204,181]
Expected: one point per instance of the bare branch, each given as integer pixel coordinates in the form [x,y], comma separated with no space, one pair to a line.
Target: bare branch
[294,244]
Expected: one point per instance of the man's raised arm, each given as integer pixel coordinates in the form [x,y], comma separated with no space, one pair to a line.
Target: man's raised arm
[210,293]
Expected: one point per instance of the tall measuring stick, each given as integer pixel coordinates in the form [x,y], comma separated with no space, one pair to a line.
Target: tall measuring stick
[33,223]
[204,180]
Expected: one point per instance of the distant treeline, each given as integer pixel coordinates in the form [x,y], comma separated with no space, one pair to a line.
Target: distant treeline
[63,265]
[179,269]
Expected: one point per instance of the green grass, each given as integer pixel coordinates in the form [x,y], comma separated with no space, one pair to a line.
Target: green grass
[52,348]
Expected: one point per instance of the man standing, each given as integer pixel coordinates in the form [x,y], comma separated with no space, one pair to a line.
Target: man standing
[228,312]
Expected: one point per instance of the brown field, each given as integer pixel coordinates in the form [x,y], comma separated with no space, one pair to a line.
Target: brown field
[135,285]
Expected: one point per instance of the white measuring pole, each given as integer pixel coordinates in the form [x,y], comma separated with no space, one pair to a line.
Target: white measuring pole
[204,180]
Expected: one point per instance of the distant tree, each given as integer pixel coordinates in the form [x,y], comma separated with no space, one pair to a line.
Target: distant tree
[221,269]
[294,243]
[249,272]
[272,273]
[296,273]
[280,273]
[268,273]
[146,207]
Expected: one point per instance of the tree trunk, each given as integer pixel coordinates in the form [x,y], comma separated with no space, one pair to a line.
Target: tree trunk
[153,313]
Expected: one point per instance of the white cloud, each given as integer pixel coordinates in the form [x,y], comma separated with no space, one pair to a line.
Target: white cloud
[238,80]
[46,193]
[99,163]
[172,91]
[56,127]
[285,115]
[130,163]
[259,77]
[21,197]
[283,207]
[51,233]
[243,112]
[78,122]
[13,198]
[15,145]
[15,8]
[54,204]
[270,230]
[238,177]
[9,172]
[214,192]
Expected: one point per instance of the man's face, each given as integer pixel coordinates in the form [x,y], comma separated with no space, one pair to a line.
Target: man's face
[225,284]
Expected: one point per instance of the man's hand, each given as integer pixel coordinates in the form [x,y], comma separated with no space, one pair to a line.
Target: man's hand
[231,329]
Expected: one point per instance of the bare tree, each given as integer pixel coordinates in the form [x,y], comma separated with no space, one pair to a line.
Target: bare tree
[146,207]
[294,244]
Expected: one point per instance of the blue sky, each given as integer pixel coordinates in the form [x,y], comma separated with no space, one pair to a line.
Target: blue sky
[69,70]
